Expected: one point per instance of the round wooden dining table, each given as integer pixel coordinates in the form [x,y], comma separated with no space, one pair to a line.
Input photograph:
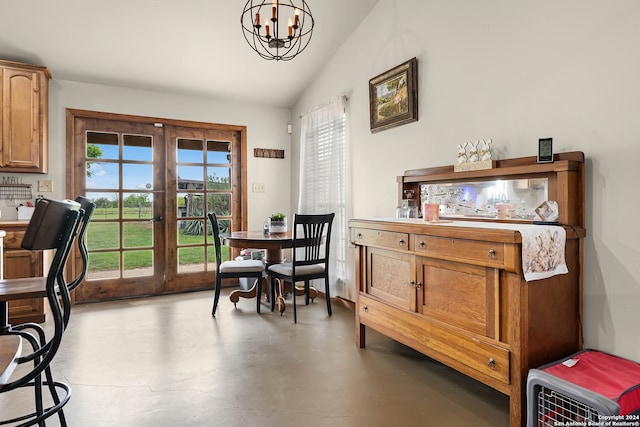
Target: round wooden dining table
[274,244]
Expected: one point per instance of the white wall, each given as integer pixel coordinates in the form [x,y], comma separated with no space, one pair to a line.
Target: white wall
[266,128]
[512,71]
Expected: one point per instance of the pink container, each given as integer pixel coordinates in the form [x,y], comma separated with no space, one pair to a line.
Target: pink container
[430,211]
[505,210]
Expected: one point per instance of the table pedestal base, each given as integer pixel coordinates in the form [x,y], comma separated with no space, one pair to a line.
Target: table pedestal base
[235,295]
[274,256]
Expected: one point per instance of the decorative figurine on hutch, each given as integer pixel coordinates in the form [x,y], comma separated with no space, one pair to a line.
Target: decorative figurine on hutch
[485,149]
[462,153]
[478,156]
[473,151]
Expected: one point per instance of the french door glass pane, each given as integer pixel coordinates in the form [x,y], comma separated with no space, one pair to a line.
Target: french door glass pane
[137,206]
[190,259]
[218,178]
[138,263]
[107,205]
[190,151]
[220,203]
[137,234]
[192,232]
[218,152]
[120,174]
[190,205]
[137,176]
[104,144]
[104,265]
[104,235]
[190,177]
[137,147]
[223,225]
[102,175]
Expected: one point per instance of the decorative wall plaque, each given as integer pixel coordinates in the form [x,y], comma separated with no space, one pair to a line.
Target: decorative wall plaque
[270,153]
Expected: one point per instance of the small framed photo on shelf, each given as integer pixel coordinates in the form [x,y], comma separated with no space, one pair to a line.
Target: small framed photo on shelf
[545,150]
[393,97]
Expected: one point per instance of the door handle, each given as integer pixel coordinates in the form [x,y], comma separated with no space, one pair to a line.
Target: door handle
[159,218]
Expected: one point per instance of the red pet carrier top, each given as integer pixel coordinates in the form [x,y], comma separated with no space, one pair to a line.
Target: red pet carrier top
[613,377]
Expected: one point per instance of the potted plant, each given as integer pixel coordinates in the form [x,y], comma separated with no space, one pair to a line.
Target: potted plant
[277,223]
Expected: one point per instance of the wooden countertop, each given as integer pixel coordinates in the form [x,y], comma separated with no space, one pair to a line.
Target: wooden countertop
[499,232]
[13,226]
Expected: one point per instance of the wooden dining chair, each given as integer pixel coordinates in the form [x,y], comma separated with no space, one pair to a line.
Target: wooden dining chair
[52,227]
[233,269]
[310,259]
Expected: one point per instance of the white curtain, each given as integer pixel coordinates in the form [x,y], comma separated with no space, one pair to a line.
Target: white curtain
[324,183]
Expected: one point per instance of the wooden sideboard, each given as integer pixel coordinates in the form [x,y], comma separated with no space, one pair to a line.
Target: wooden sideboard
[457,293]
[18,263]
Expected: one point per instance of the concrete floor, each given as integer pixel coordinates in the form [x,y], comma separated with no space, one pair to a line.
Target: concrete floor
[164,361]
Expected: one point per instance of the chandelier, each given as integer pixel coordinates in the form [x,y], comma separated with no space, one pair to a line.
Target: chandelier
[277,29]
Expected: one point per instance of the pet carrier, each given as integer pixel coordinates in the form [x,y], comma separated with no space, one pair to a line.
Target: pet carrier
[590,388]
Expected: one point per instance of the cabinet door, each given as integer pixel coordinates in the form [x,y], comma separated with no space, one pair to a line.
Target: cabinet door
[459,294]
[22,124]
[391,277]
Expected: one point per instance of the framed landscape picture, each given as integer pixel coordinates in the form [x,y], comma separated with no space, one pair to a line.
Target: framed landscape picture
[393,96]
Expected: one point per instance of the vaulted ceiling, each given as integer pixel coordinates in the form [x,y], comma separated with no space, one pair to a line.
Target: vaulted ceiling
[192,47]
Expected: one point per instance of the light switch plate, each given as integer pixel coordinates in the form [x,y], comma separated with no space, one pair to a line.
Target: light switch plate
[45,186]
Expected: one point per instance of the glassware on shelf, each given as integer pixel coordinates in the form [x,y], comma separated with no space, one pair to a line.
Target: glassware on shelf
[403,211]
[491,199]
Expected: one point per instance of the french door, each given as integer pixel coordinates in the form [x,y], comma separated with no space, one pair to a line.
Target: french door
[153,182]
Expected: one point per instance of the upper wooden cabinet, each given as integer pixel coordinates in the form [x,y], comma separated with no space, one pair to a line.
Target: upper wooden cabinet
[24,117]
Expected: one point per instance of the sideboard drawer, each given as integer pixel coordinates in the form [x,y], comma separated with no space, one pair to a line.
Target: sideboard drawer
[484,253]
[467,353]
[385,239]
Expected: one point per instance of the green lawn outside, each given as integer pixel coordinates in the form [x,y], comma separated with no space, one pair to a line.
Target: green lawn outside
[102,235]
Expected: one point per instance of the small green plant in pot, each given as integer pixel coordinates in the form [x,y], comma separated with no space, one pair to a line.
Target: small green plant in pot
[277,223]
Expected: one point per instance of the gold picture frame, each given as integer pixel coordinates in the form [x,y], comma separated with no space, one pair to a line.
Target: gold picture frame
[393,97]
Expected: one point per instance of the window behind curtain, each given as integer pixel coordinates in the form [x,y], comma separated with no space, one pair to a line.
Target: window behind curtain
[323,175]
